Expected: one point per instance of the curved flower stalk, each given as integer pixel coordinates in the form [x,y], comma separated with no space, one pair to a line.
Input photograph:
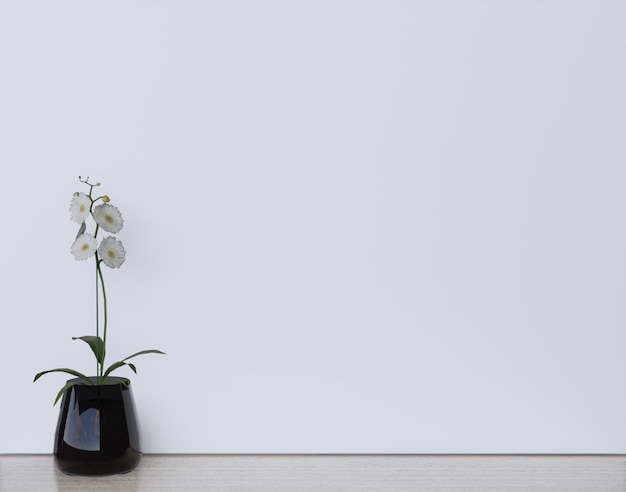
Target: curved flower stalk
[111,252]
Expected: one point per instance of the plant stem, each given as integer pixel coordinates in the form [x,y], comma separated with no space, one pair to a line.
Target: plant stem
[98,368]
[104,310]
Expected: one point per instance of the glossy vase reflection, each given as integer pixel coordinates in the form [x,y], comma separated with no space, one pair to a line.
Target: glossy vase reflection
[97,432]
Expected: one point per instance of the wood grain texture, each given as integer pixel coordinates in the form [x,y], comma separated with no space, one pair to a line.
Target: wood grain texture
[330,473]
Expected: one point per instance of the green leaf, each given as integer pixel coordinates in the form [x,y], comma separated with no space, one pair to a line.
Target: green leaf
[64,369]
[96,344]
[64,389]
[145,352]
[124,381]
[112,368]
[117,365]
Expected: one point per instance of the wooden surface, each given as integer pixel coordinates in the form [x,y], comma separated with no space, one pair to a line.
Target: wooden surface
[329,473]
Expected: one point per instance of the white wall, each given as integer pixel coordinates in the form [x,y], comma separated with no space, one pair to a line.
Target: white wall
[355,226]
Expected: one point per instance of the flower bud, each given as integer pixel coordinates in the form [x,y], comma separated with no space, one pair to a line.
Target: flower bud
[76,193]
[81,230]
[105,199]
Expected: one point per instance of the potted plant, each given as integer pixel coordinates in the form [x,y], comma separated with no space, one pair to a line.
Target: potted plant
[97,431]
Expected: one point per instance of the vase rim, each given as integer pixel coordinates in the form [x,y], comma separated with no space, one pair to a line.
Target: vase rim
[109,381]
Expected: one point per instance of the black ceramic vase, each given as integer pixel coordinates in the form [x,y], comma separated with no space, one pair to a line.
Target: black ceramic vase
[97,433]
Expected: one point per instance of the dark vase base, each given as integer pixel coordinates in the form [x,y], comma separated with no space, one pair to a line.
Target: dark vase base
[97,432]
[115,466]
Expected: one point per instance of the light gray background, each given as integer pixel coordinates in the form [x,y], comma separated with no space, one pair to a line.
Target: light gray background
[355,226]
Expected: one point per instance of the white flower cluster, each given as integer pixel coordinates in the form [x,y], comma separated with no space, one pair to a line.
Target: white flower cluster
[108,218]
